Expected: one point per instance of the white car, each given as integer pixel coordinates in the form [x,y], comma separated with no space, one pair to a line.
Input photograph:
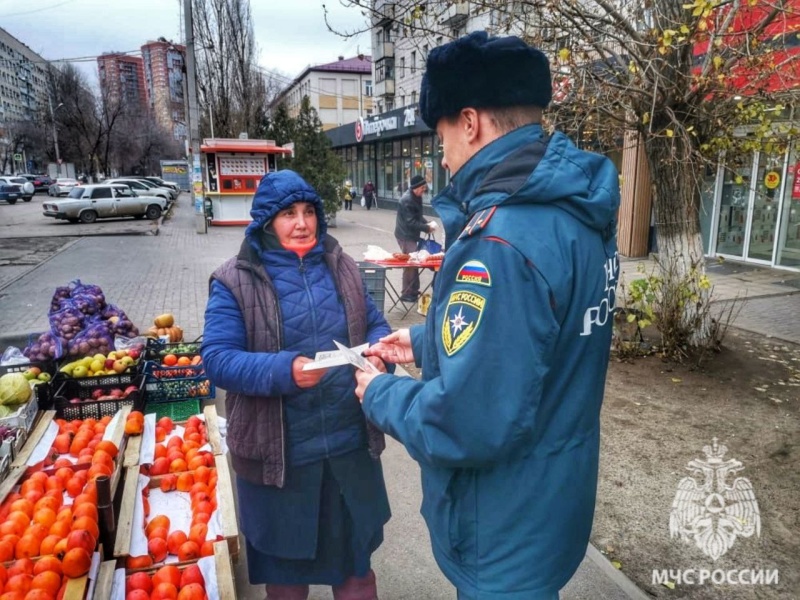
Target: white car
[142,188]
[62,186]
[27,187]
[87,203]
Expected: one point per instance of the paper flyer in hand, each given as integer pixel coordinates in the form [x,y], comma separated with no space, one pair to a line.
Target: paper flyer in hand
[332,358]
[355,358]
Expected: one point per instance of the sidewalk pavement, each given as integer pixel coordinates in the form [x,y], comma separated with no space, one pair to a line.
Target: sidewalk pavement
[151,274]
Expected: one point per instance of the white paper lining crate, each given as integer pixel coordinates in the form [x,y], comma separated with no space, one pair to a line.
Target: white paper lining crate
[374,278]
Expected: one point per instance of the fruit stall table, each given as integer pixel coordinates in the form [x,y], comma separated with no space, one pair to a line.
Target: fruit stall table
[391,290]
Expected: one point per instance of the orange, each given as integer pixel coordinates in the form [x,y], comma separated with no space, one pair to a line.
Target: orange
[76,562]
[170,360]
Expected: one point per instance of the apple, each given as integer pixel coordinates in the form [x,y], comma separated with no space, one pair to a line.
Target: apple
[134,353]
[108,364]
[130,390]
[121,353]
[119,366]
[97,393]
[75,401]
[112,356]
[80,371]
[32,373]
[44,376]
[128,360]
[99,356]
[97,365]
[116,393]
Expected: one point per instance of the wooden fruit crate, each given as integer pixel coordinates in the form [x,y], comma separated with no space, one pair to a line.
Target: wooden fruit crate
[134,443]
[222,562]
[225,507]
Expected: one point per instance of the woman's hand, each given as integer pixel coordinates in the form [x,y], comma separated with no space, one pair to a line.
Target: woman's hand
[393,348]
[363,379]
[305,379]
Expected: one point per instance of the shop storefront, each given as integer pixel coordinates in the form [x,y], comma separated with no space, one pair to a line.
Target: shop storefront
[389,149]
[751,209]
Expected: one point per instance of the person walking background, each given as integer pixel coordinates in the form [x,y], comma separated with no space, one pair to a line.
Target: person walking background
[347,195]
[369,195]
[409,225]
[505,422]
[312,499]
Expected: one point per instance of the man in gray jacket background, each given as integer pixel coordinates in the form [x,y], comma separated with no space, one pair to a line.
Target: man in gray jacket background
[408,228]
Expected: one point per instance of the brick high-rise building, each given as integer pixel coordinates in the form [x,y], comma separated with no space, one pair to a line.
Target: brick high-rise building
[163,72]
[122,77]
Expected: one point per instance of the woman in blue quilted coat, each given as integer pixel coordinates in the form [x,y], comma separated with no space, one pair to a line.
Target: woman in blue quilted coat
[312,499]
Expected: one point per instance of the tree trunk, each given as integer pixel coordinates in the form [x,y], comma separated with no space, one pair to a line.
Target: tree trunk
[680,247]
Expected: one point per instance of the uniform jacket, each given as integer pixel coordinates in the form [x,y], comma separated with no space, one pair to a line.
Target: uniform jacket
[266,308]
[505,421]
[410,221]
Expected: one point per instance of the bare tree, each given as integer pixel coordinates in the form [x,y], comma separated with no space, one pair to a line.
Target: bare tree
[687,80]
[232,91]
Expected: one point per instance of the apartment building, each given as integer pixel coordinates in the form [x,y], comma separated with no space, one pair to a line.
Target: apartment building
[163,75]
[23,95]
[122,78]
[339,91]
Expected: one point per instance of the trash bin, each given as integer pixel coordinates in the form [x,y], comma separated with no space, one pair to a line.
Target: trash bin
[374,278]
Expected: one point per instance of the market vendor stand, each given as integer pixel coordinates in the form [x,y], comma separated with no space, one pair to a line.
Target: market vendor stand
[233,169]
[392,292]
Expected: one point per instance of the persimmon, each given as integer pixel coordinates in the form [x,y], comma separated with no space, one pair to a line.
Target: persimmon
[137,595]
[160,466]
[45,516]
[167,573]
[22,565]
[65,514]
[51,502]
[27,547]
[174,442]
[164,591]
[160,451]
[161,434]
[193,591]
[22,505]
[86,510]
[49,581]
[158,532]
[102,457]
[184,361]
[7,548]
[166,423]
[32,485]
[139,581]
[185,482]
[86,524]
[188,551]
[146,505]
[155,522]
[38,594]
[37,530]
[48,544]
[3,577]
[90,489]
[192,574]
[167,484]
[177,465]
[139,562]
[76,562]
[207,549]
[61,548]
[13,596]
[85,459]
[19,520]
[157,548]
[74,486]
[19,583]
[99,470]
[175,540]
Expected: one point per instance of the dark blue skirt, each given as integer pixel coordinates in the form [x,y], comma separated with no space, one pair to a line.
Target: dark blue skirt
[320,528]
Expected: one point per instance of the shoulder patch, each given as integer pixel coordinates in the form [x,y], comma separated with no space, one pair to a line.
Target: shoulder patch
[474,271]
[461,319]
[478,221]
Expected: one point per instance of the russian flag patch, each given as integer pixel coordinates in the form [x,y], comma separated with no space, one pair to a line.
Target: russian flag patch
[474,271]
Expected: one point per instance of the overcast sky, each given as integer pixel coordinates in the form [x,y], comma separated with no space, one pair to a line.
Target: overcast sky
[291,34]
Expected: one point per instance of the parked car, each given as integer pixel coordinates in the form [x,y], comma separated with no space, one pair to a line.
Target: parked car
[87,203]
[163,183]
[40,182]
[10,192]
[142,188]
[173,193]
[62,186]
[24,184]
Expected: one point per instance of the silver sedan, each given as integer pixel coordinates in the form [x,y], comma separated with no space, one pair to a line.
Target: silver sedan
[62,186]
[87,203]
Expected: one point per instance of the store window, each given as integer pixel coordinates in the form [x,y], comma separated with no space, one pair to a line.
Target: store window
[789,239]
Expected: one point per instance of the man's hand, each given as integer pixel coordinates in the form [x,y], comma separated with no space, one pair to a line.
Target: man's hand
[393,348]
[432,226]
[305,379]
[363,379]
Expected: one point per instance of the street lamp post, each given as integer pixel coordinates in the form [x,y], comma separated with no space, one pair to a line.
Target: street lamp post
[55,133]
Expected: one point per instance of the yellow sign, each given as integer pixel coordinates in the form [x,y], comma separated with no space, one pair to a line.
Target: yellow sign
[772,179]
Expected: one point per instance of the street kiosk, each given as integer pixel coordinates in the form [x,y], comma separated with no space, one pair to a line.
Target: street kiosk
[233,168]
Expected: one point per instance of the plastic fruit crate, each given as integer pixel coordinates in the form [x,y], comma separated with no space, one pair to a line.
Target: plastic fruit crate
[177,411]
[172,390]
[154,370]
[157,349]
[374,278]
[69,389]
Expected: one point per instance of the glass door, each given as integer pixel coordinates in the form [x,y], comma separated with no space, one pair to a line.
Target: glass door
[789,246]
[765,207]
[734,203]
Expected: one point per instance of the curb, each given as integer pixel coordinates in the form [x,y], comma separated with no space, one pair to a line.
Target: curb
[617,577]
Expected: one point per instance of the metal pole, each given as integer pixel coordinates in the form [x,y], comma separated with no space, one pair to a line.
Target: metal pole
[194,121]
[55,136]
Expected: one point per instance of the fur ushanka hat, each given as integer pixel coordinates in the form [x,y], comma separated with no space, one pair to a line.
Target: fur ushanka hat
[479,71]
